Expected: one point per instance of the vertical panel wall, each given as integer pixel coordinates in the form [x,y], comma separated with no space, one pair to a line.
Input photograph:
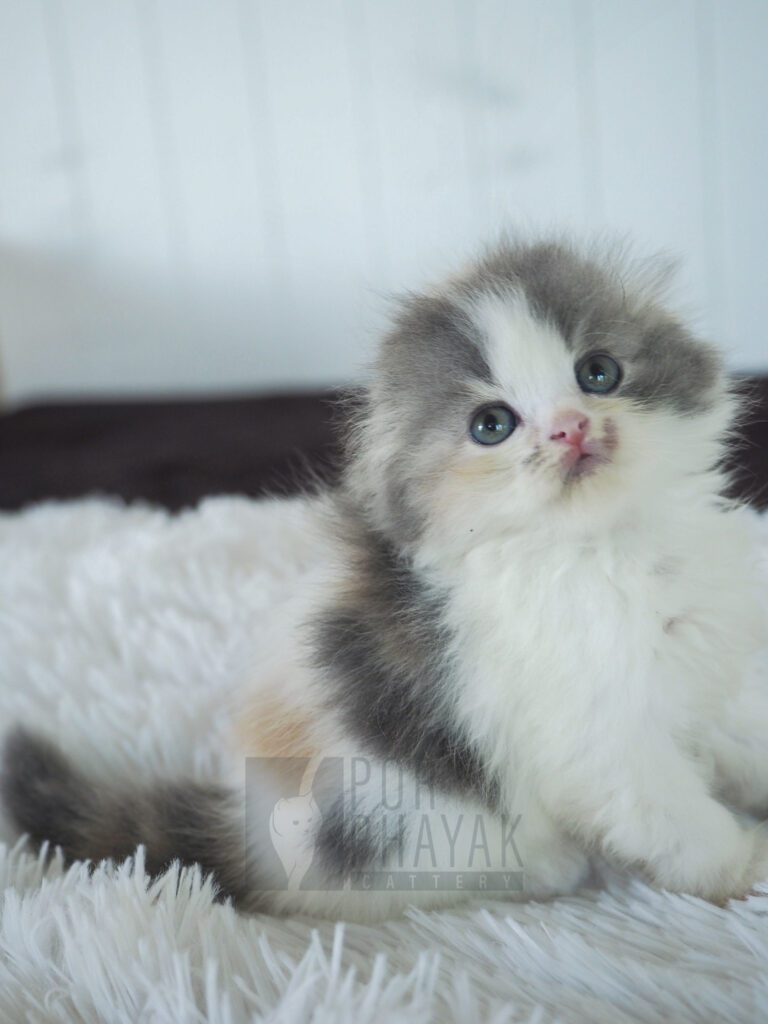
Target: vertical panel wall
[222,194]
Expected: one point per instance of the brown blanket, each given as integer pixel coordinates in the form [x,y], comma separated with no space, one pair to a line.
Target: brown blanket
[173,453]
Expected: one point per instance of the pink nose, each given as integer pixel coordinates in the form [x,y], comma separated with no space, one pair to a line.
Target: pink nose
[570,427]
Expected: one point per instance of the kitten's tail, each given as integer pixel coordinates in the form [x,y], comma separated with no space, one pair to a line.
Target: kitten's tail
[50,799]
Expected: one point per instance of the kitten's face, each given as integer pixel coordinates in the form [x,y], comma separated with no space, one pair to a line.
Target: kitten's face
[536,391]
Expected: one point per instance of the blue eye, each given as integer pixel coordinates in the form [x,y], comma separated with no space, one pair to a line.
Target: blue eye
[598,374]
[492,424]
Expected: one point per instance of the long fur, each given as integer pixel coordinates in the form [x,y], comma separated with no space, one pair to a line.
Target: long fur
[555,656]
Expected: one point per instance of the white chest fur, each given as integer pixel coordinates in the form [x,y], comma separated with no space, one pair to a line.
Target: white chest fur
[565,643]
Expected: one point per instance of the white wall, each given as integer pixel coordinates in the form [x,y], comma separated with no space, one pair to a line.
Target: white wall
[218,194]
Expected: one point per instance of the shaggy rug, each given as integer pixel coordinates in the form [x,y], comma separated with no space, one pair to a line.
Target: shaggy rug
[123,632]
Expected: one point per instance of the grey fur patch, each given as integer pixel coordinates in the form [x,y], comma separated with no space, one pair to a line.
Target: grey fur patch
[188,822]
[561,286]
[347,843]
[596,308]
[426,369]
[670,367]
[434,351]
[383,650]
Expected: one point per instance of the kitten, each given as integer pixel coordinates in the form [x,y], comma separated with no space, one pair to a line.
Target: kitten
[535,643]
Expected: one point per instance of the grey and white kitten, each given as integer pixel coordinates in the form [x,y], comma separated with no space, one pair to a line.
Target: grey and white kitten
[536,644]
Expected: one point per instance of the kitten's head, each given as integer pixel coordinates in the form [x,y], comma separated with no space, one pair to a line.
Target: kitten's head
[542,388]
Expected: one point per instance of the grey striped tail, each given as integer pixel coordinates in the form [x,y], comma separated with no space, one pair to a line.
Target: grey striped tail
[50,799]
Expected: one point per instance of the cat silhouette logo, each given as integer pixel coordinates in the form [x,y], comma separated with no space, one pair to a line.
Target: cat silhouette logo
[292,830]
[285,802]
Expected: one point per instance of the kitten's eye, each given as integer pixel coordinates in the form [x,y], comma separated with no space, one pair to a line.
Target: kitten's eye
[492,424]
[598,374]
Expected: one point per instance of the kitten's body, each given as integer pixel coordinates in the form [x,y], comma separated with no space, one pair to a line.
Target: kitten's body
[556,654]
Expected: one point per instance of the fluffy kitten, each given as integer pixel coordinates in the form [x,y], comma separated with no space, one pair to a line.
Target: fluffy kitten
[535,643]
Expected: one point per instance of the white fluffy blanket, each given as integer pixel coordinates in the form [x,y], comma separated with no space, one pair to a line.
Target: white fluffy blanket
[123,631]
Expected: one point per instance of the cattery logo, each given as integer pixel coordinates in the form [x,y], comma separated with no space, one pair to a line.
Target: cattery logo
[351,822]
[294,826]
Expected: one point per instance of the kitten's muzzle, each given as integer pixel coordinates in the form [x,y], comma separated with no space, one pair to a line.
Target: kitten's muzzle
[585,461]
[581,454]
[570,428]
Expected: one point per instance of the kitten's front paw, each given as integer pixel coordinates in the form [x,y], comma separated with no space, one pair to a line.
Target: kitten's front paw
[758,869]
[718,871]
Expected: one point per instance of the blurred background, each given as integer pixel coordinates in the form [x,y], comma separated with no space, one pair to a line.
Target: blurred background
[205,195]
[208,197]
